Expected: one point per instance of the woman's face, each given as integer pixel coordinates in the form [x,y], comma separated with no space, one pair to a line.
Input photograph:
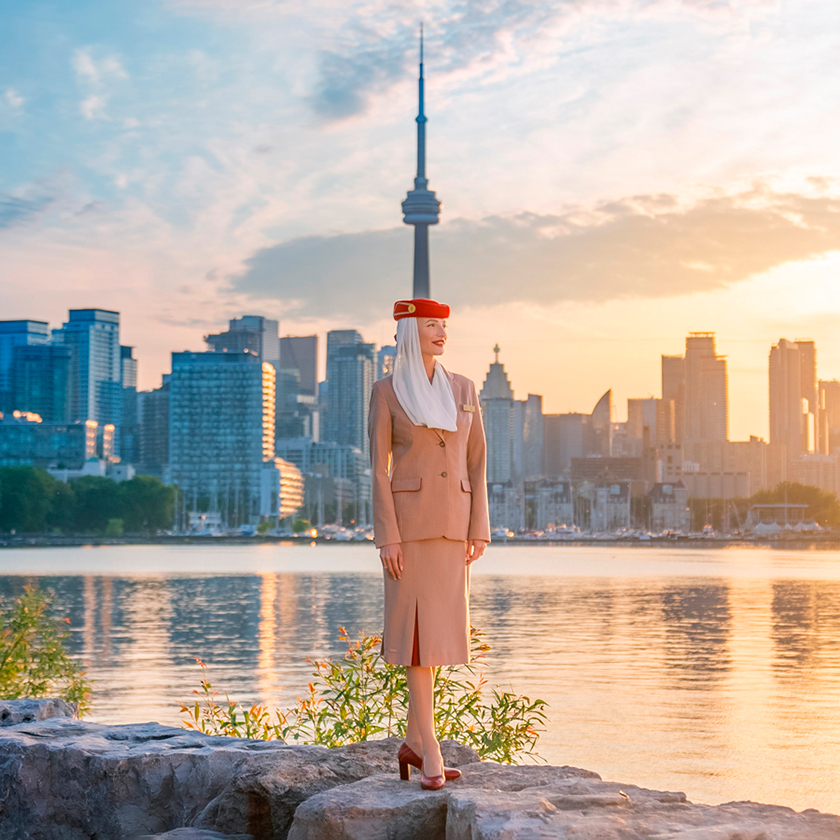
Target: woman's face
[432,335]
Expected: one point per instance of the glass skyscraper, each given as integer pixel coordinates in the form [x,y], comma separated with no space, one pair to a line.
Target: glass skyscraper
[221,431]
[93,336]
[14,334]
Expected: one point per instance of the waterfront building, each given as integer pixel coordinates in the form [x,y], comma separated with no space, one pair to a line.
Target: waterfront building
[300,353]
[564,438]
[421,207]
[129,430]
[673,390]
[601,426]
[332,461]
[669,508]
[506,505]
[706,390]
[794,400]
[12,335]
[656,415]
[350,376]
[40,381]
[829,413]
[221,431]
[496,399]
[27,441]
[153,423]
[554,505]
[252,333]
[281,489]
[610,506]
[385,358]
[528,438]
[93,337]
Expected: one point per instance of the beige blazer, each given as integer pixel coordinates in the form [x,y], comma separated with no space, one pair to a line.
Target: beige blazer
[427,483]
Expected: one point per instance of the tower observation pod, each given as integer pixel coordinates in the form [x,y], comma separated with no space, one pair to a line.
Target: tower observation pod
[420,207]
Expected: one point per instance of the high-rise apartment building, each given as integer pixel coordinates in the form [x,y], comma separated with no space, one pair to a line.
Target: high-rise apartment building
[40,381]
[829,413]
[300,353]
[12,335]
[351,371]
[153,420]
[385,358]
[129,429]
[497,414]
[221,430]
[706,409]
[793,398]
[93,337]
[254,333]
[529,437]
[655,416]
[673,390]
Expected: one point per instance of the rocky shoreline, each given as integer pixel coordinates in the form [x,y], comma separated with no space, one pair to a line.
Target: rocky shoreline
[65,779]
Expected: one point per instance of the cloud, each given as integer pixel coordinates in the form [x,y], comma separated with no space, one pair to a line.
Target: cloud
[648,246]
[14,99]
[15,210]
[93,107]
[479,37]
[93,71]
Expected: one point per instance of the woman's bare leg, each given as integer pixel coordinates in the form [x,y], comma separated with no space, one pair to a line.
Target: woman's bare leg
[421,709]
[412,730]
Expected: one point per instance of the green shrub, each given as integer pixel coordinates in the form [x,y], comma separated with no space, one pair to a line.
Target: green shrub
[114,528]
[301,524]
[33,661]
[360,697]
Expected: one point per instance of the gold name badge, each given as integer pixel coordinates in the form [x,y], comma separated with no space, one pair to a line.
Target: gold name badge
[468,407]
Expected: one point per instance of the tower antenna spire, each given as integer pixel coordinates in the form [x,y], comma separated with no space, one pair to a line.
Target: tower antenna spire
[421,208]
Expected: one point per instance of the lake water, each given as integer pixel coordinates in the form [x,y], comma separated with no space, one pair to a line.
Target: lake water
[713,671]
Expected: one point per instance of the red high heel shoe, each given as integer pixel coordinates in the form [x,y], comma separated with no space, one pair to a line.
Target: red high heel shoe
[408,758]
[431,782]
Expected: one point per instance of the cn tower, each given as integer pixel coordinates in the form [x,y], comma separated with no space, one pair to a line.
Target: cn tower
[420,207]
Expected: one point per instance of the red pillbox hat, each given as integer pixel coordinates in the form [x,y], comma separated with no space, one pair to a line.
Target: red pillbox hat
[420,308]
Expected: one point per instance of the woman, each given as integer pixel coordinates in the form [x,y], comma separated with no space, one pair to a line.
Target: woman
[430,517]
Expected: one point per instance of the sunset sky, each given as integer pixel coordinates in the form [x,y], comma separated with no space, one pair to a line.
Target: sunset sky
[613,174]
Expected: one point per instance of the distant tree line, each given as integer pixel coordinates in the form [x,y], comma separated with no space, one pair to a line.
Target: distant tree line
[823,507]
[32,501]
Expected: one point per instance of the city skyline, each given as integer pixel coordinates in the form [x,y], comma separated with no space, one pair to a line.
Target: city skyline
[614,178]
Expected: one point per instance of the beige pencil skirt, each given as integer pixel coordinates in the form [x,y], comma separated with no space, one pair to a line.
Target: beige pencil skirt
[427,611]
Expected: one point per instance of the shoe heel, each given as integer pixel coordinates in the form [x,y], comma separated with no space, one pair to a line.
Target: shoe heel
[405,771]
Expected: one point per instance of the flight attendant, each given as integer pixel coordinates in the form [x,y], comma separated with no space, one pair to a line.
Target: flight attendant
[430,517]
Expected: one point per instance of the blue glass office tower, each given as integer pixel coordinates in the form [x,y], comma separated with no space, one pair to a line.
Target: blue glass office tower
[14,334]
[93,336]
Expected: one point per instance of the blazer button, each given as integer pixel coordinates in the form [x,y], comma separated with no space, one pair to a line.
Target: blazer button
[441,444]
[443,475]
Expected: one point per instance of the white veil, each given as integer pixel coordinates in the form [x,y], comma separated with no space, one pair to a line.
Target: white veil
[426,403]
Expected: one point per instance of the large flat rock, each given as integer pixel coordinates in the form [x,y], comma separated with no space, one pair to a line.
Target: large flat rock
[384,808]
[496,802]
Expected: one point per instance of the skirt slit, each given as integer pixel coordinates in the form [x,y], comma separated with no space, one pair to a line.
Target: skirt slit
[415,653]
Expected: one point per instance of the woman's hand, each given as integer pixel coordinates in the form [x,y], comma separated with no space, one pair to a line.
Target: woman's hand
[392,559]
[475,548]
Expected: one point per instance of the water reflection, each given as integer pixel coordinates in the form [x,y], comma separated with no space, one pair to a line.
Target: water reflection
[687,680]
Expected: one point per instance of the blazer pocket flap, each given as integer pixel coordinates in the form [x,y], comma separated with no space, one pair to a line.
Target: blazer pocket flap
[398,485]
[465,485]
